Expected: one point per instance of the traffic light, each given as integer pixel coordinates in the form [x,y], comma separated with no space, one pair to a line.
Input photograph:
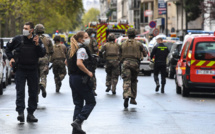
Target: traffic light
[57,31]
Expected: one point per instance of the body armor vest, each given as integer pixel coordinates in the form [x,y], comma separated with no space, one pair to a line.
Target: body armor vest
[131,49]
[27,54]
[59,52]
[112,50]
[72,63]
[47,44]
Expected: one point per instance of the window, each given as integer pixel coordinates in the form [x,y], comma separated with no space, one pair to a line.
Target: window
[205,51]
[168,44]
[186,49]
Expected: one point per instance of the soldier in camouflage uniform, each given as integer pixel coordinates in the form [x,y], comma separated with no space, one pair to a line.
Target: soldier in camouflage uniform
[58,60]
[94,50]
[44,61]
[110,51]
[132,52]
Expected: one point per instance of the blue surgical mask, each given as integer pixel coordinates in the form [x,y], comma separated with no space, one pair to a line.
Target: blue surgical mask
[93,35]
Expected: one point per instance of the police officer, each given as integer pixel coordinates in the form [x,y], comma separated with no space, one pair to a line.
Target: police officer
[132,52]
[160,51]
[94,50]
[28,48]
[44,61]
[111,53]
[79,63]
[58,58]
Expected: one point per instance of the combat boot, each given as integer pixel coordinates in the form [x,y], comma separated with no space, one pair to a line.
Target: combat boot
[133,101]
[126,103]
[43,91]
[77,125]
[75,131]
[108,89]
[162,88]
[157,86]
[21,117]
[114,91]
[31,118]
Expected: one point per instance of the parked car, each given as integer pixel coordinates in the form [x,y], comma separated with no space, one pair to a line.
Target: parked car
[143,40]
[195,70]
[2,65]
[144,64]
[171,61]
[8,73]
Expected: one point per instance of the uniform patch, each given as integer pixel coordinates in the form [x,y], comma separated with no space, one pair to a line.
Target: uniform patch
[83,54]
[11,41]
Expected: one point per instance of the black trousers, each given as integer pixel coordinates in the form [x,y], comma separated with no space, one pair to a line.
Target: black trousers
[31,76]
[80,93]
[160,67]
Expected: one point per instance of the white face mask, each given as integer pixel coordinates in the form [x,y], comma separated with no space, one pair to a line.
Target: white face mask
[26,32]
[87,42]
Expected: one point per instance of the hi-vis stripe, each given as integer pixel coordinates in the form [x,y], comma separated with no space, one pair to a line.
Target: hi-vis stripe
[202,63]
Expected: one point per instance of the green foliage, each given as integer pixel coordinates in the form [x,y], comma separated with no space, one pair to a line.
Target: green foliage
[192,8]
[53,14]
[91,15]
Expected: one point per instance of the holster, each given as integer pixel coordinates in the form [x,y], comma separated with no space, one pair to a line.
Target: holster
[87,80]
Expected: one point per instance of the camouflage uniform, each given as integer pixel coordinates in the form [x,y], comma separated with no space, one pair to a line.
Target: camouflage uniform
[112,68]
[43,63]
[59,67]
[132,52]
[94,50]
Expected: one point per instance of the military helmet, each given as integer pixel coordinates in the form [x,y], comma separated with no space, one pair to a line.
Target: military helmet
[111,37]
[57,38]
[39,29]
[90,31]
[131,31]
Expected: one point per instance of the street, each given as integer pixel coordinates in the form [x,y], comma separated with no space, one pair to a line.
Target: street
[155,113]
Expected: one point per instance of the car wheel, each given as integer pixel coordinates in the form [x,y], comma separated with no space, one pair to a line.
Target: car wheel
[185,91]
[6,81]
[1,88]
[9,80]
[170,73]
[178,89]
[147,73]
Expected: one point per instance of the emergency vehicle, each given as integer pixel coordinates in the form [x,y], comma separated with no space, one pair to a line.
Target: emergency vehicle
[195,70]
[104,28]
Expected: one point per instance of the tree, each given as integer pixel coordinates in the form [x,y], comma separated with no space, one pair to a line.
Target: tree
[209,8]
[53,14]
[192,10]
[91,15]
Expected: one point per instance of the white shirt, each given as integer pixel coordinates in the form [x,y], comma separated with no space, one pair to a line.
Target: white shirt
[82,54]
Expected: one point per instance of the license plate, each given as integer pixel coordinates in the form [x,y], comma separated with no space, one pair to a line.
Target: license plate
[209,72]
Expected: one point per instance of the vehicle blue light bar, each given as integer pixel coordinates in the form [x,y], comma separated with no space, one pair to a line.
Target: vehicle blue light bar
[175,38]
[200,32]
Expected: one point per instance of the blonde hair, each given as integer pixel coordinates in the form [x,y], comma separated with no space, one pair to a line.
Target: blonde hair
[74,42]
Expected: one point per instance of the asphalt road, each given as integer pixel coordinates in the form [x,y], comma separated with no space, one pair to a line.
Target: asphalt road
[155,113]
